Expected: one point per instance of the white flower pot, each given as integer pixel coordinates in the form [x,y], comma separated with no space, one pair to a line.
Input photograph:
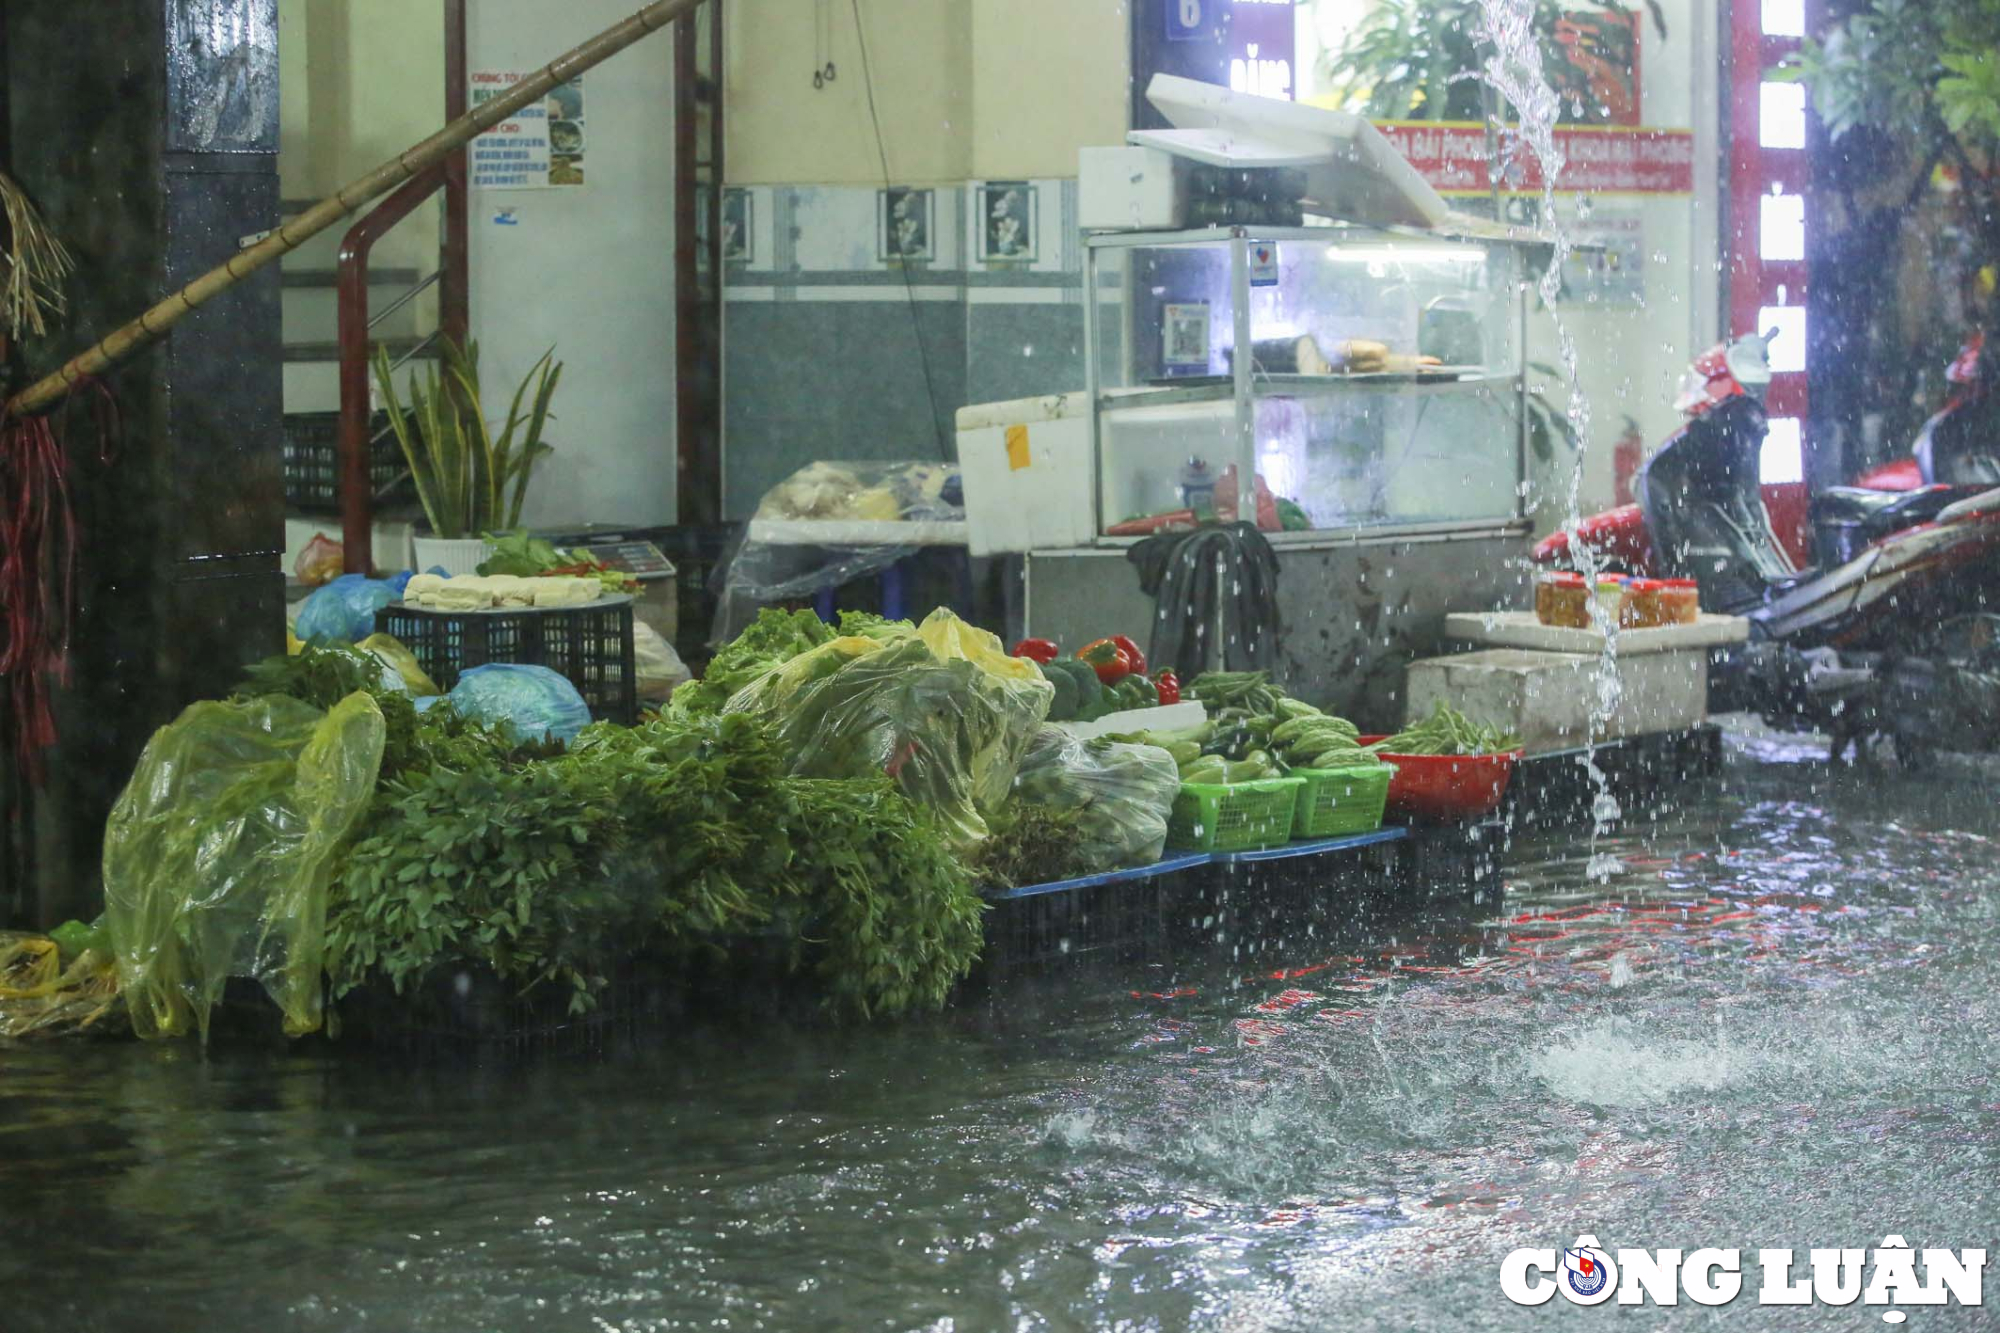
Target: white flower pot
[454,555]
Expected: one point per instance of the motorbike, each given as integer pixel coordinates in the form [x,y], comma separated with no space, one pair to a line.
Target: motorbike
[1872,620]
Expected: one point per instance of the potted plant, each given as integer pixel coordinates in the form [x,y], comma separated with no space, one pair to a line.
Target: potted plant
[469,480]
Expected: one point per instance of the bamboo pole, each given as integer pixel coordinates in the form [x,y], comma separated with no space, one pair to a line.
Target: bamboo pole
[48,390]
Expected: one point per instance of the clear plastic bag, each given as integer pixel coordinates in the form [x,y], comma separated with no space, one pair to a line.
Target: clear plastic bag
[216,857]
[535,701]
[658,667]
[1121,796]
[950,730]
[824,526]
[320,562]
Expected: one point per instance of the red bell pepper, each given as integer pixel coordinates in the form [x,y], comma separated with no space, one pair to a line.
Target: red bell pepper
[1133,651]
[1037,650]
[1111,663]
[1169,686]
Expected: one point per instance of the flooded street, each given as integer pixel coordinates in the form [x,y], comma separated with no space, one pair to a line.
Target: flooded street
[1777,1025]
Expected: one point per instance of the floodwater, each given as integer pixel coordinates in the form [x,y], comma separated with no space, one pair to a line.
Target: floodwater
[1775,1026]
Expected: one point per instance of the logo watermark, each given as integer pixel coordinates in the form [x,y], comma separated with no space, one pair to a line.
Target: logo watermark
[1887,1275]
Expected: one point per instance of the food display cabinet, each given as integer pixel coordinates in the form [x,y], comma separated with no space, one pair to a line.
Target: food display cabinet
[1384,390]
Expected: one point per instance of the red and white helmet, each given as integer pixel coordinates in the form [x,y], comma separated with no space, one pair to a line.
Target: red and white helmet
[1965,369]
[1727,370]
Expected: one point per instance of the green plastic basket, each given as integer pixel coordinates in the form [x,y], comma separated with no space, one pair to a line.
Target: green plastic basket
[1336,802]
[1239,817]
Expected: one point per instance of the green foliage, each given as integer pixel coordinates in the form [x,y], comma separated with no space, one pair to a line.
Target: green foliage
[1030,844]
[774,637]
[868,625]
[891,914]
[678,834]
[322,674]
[1420,59]
[469,480]
[1924,72]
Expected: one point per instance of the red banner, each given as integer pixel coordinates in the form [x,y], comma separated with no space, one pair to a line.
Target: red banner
[1452,156]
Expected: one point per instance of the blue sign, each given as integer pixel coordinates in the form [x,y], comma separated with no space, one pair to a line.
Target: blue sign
[1192,20]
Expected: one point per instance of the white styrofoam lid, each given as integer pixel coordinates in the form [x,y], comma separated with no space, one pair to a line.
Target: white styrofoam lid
[1023,411]
[1353,173]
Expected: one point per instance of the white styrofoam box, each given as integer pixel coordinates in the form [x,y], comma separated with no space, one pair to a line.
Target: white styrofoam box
[1548,698]
[1128,187]
[1026,471]
[1167,717]
[1520,629]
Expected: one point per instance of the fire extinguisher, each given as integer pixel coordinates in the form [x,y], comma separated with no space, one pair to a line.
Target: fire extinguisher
[1625,458]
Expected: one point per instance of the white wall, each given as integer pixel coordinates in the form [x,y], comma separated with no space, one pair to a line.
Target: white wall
[588,269]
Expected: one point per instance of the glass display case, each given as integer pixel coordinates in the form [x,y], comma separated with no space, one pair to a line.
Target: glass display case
[1384,388]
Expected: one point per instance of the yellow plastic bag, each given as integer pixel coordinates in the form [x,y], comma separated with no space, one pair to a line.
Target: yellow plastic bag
[951,638]
[39,996]
[216,857]
[391,651]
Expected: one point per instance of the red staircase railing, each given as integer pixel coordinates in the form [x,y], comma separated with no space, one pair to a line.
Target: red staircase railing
[356,321]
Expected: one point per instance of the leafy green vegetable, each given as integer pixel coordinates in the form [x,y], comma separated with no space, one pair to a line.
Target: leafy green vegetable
[1030,844]
[868,625]
[891,917]
[775,637]
[679,834]
[527,556]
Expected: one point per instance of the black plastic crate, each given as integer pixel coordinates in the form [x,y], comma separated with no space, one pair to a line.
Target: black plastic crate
[590,645]
[312,463]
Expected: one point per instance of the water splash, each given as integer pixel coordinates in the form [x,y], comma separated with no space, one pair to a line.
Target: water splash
[1513,69]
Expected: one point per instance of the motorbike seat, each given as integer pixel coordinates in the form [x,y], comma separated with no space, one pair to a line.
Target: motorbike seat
[1852,504]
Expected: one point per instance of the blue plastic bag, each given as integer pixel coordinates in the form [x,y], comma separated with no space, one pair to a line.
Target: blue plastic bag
[344,610]
[533,700]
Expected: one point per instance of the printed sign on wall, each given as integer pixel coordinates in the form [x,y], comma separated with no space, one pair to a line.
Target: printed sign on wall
[541,147]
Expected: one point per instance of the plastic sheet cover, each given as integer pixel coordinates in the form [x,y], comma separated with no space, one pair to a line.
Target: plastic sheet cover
[1122,795]
[837,520]
[217,856]
[944,712]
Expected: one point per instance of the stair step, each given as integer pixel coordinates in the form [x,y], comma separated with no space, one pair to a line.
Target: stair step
[399,347]
[326,277]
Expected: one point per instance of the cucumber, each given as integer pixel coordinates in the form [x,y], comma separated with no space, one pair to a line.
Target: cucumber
[1249,770]
[1290,710]
[1208,770]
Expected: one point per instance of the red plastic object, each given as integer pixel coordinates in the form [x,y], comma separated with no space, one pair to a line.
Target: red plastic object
[1448,788]
[1903,474]
[1616,534]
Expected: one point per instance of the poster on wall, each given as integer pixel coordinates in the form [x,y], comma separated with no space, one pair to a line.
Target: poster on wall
[905,219]
[738,244]
[1006,222]
[1593,67]
[1184,337]
[541,147]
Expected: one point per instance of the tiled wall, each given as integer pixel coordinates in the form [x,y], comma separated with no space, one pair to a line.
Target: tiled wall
[837,346]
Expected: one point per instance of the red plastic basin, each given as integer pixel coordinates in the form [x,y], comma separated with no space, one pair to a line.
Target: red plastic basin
[1448,787]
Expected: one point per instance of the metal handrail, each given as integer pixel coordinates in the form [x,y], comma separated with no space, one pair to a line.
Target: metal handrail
[357,517]
[423,286]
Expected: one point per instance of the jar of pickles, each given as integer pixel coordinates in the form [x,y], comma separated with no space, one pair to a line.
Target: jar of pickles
[1563,599]
[1651,603]
[1682,601]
